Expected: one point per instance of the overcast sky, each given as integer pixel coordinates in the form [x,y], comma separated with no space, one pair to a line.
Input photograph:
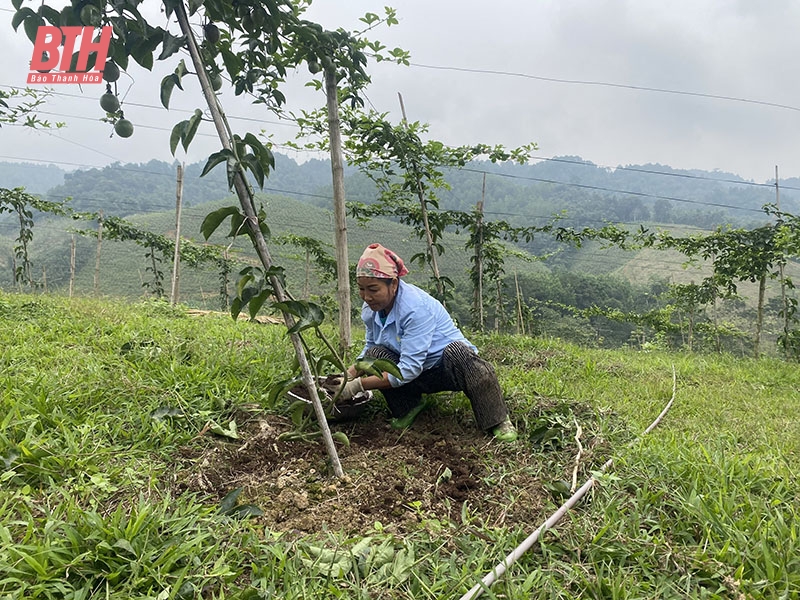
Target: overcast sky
[739,49]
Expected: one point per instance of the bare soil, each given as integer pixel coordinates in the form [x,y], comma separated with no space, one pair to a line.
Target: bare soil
[398,478]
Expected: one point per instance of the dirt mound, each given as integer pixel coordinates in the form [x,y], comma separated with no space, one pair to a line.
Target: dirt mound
[397,478]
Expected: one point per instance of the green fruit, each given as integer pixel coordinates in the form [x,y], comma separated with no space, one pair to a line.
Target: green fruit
[45,58]
[259,16]
[216,81]
[90,15]
[110,71]
[211,32]
[314,66]
[124,128]
[109,102]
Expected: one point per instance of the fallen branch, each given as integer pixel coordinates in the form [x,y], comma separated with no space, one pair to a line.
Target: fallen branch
[509,560]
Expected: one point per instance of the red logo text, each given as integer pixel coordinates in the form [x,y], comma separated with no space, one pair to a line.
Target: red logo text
[53,53]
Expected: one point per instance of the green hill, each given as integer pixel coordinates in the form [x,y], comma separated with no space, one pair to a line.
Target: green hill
[123,266]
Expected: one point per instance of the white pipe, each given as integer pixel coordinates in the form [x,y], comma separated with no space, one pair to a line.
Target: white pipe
[509,560]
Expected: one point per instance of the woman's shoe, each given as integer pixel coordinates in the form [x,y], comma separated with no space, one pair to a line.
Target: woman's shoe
[505,432]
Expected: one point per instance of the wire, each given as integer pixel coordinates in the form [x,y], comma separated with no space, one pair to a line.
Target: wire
[607,84]
[652,172]
[605,189]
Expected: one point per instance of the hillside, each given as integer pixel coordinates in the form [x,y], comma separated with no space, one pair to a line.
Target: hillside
[547,272]
[123,266]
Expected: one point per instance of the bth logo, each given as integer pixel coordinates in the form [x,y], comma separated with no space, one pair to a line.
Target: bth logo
[54,47]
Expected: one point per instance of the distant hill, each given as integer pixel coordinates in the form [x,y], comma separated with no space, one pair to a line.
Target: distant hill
[123,266]
[36,178]
[297,199]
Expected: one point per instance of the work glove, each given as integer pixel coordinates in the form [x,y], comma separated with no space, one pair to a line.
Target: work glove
[331,385]
[352,388]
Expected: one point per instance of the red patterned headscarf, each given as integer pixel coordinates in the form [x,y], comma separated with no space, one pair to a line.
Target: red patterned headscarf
[380,262]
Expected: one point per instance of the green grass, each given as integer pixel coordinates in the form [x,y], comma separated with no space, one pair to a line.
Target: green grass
[706,506]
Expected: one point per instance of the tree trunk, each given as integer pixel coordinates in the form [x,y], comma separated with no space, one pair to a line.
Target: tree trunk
[339,213]
[246,201]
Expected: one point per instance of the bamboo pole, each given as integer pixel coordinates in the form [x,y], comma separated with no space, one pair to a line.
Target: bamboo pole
[176,260]
[97,254]
[479,258]
[520,323]
[781,276]
[509,560]
[71,266]
[339,212]
[246,201]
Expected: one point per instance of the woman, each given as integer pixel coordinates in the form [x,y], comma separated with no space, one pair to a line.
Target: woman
[412,329]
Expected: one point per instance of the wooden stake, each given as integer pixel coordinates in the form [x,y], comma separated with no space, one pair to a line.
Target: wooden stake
[339,212]
[97,255]
[520,324]
[71,266]
[44,279]
[424,212]
[479,258]
[176,261]
[246,201]
[784,300]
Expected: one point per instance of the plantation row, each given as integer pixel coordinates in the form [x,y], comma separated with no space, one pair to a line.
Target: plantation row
[605,310]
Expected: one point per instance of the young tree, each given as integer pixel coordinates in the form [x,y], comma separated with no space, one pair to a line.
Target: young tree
[254,44]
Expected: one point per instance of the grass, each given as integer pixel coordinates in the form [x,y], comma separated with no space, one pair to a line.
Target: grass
[97,398]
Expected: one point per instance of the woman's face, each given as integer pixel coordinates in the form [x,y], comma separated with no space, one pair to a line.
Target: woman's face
[377,293]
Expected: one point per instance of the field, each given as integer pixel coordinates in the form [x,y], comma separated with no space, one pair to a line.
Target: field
[143,457]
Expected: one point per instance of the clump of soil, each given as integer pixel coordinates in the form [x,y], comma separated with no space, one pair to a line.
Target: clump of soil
[397,478]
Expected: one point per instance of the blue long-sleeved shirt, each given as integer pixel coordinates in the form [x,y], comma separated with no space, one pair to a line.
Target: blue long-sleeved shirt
[417,327]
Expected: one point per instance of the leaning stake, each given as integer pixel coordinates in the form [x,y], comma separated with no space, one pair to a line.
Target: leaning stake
[242,191]
[509,560]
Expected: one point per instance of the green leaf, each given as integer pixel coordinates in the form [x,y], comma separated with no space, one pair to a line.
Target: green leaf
[237,223]
[214,219]
[163,412]
[170,45]
[341,437]
[257,302]
[231,432]
[31,25]
[124,544]
[245,510]
[308,314]
[242,284]
[216,159]
[21,15]
[377,366]
[194,6]
[191,128]
[167,85]
[176,135]
[236,308]
[229,501]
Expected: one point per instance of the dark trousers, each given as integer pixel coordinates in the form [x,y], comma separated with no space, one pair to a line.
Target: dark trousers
[459,370]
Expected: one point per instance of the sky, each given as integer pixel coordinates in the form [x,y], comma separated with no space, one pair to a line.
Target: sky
[568,75]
